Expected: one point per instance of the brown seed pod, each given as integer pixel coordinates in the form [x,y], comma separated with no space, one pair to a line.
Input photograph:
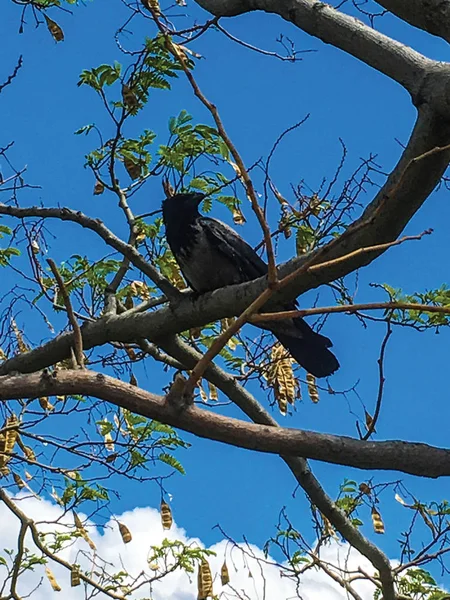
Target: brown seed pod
[166,515]
[125,533]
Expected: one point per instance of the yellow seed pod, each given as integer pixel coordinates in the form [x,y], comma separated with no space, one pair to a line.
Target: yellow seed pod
[29,453]
[11,433]
[55,585]
[166,515]
[204,580]
[18,481]
[224,574]
[4,471]
[21,345]
[280,377]
[238,216]
[75,578]
[313,392]
[125,533]
[212,392]
[46,404]
[377,521]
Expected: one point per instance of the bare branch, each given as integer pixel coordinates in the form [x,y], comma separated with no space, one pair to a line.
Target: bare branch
[408,457]
[397,61]
[432,16]
[127,250]
[77,338]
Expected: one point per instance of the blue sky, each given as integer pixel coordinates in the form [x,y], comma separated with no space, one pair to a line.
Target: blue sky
[258,97]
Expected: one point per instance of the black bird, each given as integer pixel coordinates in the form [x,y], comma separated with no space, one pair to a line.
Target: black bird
[211,255]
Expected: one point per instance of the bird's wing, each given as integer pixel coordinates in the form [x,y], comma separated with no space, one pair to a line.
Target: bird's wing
[229,243]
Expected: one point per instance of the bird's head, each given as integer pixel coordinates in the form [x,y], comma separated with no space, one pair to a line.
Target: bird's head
[183,205]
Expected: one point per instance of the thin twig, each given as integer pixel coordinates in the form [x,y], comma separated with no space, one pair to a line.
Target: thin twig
[374,420]
[77,337]
[199,369]
[13,74]
[349,308]
[38,542]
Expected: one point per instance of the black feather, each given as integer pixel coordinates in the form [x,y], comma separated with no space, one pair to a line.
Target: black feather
[211,255]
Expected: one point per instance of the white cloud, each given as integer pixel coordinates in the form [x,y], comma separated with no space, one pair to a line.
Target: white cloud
[146,529]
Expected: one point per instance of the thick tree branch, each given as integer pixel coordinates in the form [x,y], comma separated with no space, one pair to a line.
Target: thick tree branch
[250,406]
[432,16]
[414,178]
[407,457]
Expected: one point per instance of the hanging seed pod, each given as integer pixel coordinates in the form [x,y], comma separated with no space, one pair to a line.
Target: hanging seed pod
[55,585]
[125,533]
[238,216]
[224,574]
[11,433]
[55,29]
[377,521]
[313,392]
[369,421]
[21,345]
[129,97]
[29,453]
[365,489]
[204,580]
[46,404]
[109,444]
[280,377]
[132,168]
[75,578]
[99,188]
[212,392]
[18,481]
[166,515]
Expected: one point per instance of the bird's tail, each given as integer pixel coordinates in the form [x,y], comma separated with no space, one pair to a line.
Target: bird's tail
[311,352]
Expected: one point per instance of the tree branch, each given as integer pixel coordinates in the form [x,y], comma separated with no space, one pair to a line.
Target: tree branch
[397,61]
[127,250]
[432,16]
[407,457]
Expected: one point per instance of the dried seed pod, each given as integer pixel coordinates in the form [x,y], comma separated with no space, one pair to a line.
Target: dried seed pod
[224,574]
[313,392]
[238,216]
[132,168]
[99,188]
[166,515]
[204,580]
[18,481]
[377,521]
[75,578]
[129,97]
[280,377]
[125,533]
[212,392]
[364,488]
[55,29]
[109,444]
[55,585]
[46,404]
